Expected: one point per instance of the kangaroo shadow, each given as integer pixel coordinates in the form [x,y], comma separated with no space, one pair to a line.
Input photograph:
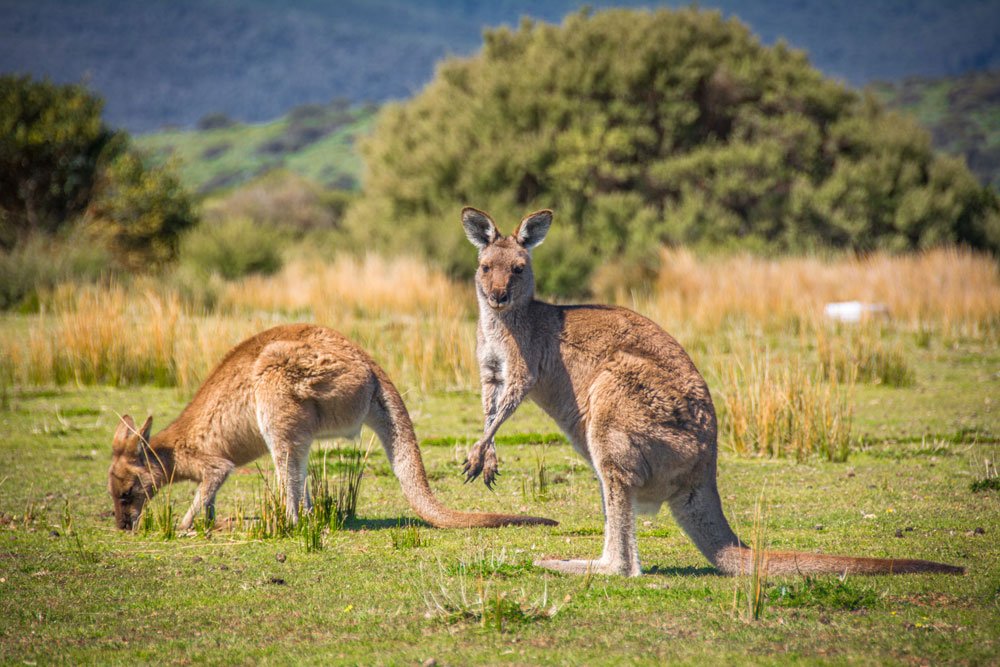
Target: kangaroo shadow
[358,523]
[682,571]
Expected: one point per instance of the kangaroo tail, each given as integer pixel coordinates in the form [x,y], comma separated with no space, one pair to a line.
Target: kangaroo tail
[699,513]
[390,420]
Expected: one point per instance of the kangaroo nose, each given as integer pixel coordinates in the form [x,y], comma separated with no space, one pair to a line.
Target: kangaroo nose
[503,298]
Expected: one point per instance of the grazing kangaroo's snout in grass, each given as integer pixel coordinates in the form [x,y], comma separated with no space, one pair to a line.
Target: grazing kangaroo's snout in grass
[629,399]
[273,393]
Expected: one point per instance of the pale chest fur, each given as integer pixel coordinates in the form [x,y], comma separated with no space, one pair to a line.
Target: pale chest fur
[496,350]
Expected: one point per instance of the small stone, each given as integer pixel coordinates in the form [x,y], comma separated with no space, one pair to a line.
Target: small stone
[277,581]
[979,531]
[53,533]
[281,558]
[223,567]
[909,529]
[197,559]
[818,526]
[899,533]
[430,662]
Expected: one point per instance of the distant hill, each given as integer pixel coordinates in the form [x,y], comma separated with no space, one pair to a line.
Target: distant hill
[316,141]
[160,62]
[962,113]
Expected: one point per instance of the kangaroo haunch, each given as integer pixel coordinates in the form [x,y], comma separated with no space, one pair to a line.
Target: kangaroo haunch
[273,393]
[629,399]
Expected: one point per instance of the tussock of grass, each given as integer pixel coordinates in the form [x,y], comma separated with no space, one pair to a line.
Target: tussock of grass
[985,484]
[864,357]
[771,409]
[749,589]
[335,500]
[407,535]
[826,593]
[482,602]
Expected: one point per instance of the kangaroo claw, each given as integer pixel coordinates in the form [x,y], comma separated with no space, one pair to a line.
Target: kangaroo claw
[481,460]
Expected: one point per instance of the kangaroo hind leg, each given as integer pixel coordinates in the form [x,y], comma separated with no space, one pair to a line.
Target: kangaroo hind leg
[621,550]
[287,427]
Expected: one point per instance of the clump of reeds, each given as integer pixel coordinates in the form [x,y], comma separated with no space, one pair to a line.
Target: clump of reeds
[334,500]
[777,409]
[862,354]
[158,517]
[750,588]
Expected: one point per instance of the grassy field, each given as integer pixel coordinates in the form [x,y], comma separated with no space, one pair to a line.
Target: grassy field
[389,590]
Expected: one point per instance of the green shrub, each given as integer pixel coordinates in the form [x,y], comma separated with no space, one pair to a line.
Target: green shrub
[140,211]
[42,262]
[232,248]
[648,127]
[52,139]
[282,199]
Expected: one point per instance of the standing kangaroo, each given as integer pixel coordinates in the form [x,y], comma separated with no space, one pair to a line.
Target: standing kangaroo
[274,393]
[629,399]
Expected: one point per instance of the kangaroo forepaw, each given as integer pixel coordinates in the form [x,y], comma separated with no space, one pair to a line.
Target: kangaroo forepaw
[481,460]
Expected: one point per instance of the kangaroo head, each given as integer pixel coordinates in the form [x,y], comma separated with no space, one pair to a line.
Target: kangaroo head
[135,473]
[504,278]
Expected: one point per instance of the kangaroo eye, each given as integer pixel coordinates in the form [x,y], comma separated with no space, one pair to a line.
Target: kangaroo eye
[485,268]
[518,269]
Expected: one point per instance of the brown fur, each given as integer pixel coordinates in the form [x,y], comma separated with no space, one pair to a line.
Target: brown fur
[629,399]
[274,393]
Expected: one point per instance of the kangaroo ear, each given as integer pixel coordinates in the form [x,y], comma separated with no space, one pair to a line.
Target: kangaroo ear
[147,427]
[479,227]
[532,230]
[126,427]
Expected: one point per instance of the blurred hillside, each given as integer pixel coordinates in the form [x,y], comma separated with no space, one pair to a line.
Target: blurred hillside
[962,114]
[315,141]
[170,63]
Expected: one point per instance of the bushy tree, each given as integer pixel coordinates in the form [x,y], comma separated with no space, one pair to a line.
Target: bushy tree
[140,212]
[59,161]
[51,141]
[642,128]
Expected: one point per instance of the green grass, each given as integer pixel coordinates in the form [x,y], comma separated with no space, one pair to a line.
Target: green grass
[74,589]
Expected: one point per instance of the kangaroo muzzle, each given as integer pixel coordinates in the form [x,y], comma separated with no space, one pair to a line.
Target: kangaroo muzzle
[498,299]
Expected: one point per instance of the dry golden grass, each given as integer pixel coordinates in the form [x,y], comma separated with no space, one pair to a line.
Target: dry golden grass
[953,290]
[419,325]
[781,408]
[414,321]
[349,288]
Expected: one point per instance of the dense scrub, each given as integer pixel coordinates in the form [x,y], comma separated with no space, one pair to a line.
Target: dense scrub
[645,128]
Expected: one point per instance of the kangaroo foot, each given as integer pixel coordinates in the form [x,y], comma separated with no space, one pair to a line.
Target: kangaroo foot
[588,566]
[482,459]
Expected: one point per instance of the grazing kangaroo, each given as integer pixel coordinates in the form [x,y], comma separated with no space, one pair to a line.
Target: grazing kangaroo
[629,399]
[274,393]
